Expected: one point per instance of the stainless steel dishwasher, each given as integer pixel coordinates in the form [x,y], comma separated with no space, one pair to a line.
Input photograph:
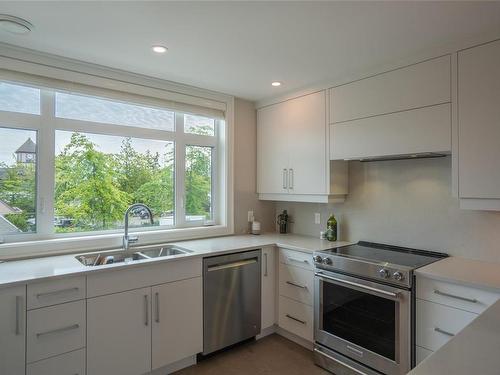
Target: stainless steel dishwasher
[231,299]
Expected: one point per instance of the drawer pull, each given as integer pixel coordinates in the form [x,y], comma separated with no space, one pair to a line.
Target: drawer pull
[296,285]
[339,362]
[56,292]
[58,330]
[472,300]
[444,332]
[297,320]
[298,260]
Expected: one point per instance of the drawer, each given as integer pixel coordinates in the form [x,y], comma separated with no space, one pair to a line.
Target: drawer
[55,330]
[141,276]
[455,295]
[422,354]
[296,258]
[54,292]
[72,363]
[296,317]
[296,283]
[436,324]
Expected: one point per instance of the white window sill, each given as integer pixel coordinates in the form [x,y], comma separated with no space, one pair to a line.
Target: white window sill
[89,242]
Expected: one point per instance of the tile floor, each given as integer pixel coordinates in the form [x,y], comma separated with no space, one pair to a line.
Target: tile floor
[271,355]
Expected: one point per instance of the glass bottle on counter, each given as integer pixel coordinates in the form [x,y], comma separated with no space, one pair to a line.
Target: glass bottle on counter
[331,228]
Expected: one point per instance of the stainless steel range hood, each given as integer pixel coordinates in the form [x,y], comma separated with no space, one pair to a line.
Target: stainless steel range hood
[423,155]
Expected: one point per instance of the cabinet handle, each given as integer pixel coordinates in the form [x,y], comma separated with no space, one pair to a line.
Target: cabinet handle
[18,314]
[472,300]
[290,179]
[444,332]
[296,285]
[58,330]
[56,292]
[146,310]
[157,303]
[265,264]
[297,320]
[285,178]
[298,260]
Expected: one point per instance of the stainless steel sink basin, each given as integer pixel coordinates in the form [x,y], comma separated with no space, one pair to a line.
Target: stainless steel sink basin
[101,258]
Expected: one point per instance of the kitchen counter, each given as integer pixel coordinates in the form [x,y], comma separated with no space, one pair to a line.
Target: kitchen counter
[38,269]
[474,350]
[484,275]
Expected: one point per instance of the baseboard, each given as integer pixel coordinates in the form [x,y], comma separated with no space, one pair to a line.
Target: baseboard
[266,332]
[296,339]
[176,366]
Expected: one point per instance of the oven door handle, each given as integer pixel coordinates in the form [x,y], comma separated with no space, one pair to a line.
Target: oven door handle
[385,293]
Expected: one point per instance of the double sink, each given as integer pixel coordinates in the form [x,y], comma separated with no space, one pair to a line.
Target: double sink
[100,258]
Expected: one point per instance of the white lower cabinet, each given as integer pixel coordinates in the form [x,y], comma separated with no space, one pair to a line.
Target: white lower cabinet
[268,276]
[119,333]
[72,363]
[12,330]
[177,321]
[296,317]
[422,354]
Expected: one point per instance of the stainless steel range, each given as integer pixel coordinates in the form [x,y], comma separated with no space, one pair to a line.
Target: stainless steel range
[364,319]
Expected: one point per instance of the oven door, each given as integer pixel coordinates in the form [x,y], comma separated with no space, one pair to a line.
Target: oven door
[365,321]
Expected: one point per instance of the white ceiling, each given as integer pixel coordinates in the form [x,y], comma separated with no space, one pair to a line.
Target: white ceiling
[240,47]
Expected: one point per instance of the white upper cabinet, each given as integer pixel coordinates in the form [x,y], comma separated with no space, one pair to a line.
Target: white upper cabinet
[479,126]
[404,111]
[292,152]
[415,86]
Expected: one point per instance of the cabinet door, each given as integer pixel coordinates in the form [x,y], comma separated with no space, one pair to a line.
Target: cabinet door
[268,287]
[479,121]
[12,330]
[307,144]
[177,321]
[119,333]
[272,149]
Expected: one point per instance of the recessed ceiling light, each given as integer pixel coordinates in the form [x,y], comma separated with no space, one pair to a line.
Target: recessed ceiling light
[159,49]
[276,83]
[14,25]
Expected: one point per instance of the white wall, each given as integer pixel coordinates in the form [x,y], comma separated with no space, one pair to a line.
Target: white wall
[405,203]
[245,170]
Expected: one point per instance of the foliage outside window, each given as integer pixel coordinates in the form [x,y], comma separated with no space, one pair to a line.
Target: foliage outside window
[107,155]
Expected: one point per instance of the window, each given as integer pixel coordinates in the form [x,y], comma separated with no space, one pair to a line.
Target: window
[198,183]
[99,176]
[16,98]
[17,181]
[85,108]
[73,165]
[199,125]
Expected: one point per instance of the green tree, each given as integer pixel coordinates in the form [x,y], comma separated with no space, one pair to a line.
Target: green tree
[87,187]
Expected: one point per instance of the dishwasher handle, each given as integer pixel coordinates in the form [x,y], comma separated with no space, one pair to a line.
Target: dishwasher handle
[238,264]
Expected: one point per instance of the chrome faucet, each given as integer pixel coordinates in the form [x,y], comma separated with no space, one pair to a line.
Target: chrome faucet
[131,239]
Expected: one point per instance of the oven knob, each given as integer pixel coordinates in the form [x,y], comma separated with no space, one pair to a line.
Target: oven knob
[318,259]
[327,261]
[384,273]
[398,276]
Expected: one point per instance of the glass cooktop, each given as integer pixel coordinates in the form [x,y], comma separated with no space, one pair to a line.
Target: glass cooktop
[380,253]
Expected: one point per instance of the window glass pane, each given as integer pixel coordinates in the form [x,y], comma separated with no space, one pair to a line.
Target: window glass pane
[198,183]
[86,108]
[199,125]
[15,98]
[17,181]
[99,176]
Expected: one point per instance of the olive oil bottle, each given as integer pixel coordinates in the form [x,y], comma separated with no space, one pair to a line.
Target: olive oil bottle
[331,228]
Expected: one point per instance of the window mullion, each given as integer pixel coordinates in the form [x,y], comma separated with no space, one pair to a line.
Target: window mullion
[180,168]
[46,165]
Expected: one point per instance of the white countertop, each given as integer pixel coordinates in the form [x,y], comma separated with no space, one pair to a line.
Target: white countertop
[38,269]
[474,350]
[485,275]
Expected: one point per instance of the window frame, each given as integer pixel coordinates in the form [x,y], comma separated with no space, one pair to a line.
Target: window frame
[46,125]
